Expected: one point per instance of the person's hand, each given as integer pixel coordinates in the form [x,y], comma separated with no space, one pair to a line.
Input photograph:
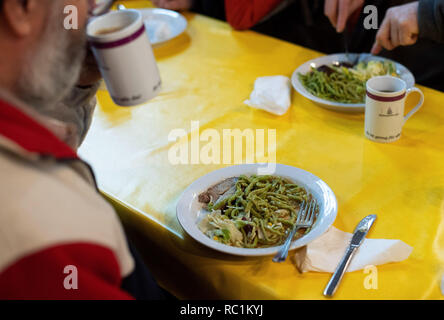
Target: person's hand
[339,11]
[173,4]
[399,28]
[90,73]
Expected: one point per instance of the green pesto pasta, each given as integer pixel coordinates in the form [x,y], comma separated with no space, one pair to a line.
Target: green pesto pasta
[342,84]
[259,213]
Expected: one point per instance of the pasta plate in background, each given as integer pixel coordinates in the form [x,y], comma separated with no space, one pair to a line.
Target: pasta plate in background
[344,82]
[331,82]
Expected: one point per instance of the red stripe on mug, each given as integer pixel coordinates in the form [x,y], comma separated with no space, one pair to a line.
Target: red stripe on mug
[118,43]
[385,99]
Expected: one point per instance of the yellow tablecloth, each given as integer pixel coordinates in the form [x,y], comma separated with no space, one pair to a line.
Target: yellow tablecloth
[207,73]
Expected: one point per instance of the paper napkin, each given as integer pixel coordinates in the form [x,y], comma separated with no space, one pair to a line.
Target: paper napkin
[271,94]
[325,253]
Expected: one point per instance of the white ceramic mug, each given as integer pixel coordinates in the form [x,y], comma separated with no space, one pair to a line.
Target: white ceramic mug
[384,108]
[123,52]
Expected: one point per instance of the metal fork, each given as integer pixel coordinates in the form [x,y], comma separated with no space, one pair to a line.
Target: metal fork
[304,219]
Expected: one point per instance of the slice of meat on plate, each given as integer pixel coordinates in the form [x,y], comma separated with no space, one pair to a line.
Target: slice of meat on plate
[215,192]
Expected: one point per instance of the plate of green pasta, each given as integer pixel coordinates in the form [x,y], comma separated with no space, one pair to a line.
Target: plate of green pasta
[338,81]
[241,211]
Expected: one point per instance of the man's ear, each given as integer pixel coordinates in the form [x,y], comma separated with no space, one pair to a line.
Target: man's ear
[19,15]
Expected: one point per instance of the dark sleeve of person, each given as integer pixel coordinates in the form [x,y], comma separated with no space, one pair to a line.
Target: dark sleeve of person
[431,20]
[211,8]
[140,283]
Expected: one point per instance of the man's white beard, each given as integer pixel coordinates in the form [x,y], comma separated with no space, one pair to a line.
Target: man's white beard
[54,67]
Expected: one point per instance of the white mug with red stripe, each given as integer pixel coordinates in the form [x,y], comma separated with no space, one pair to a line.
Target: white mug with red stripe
[384,108]
[126,61]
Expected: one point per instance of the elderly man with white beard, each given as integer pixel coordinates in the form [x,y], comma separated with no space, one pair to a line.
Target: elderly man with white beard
[59,239]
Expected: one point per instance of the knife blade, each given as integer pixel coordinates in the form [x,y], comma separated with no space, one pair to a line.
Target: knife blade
[346,39]
[345,36]
[358,237]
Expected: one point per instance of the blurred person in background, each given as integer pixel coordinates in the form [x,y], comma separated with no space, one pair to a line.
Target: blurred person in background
[59,239]
[412,33]
[309,23]
[403,25]
[211,8]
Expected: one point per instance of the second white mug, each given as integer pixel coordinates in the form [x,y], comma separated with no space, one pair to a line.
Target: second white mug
[384,108]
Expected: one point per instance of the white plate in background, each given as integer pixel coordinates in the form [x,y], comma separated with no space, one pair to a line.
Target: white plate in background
[163,25]
[402,71]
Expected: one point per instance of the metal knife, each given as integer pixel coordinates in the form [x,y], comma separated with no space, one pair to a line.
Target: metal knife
[358,237]
[345,35]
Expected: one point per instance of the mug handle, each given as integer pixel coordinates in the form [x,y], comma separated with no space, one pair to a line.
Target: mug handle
[419,105]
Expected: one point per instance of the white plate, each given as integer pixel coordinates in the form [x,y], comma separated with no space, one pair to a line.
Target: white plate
[403,72]
[163,25]
[190,212]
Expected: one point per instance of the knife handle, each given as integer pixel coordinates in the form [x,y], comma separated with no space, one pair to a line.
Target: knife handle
[339,272]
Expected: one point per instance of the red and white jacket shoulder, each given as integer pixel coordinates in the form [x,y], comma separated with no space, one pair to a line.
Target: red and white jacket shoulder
[59,239]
